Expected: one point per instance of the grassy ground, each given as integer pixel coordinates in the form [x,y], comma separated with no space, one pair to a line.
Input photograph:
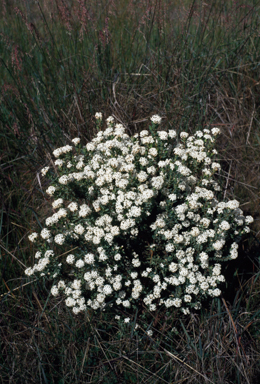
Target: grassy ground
[194,63]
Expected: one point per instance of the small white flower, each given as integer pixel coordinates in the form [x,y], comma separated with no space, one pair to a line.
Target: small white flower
[59,239]
[89,258]
[184,135]
[54,290]
[29,271]
[110,120]
[63,180]
[151,170]
[48,253]
[215,166]
[107,289]
[187,298]
[50,191]
[62,212]
[79,229]
[44,170]
[218,245]
[136,263]
[233,254]
[70,302]
[172,197]
[195,231]
[57,203]
[76,140]
[90,147]
[205,222]
[70,259]
[98,115]
[156,119]
[117,286]
[37,255]
[57,152]
[134,275]
[33,236]
[84,210]
[163,135]
[173,267]
[126,304]
[177,302]
[142,176]
[215,131]
[216,292]
[153,152]
[80,264]
[169,247]
[45,233]
[172,133]
[58,162]
[224,225]
[156,278]
[203,256]
[249,219]
[76,310]
[143,161]
[61,284]
[73,207]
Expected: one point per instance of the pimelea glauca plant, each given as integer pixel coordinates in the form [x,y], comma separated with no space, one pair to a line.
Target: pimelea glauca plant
[136,221]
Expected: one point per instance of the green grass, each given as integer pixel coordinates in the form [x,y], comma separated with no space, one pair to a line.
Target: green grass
[197,65]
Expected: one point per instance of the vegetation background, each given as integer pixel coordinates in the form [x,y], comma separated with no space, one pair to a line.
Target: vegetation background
[196,64]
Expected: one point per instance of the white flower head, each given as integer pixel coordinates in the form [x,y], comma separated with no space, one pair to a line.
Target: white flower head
[44,170]
[70,259]
[29,271]
[80,263]
[57,203]
[33,236]
[73,207]
[184,135]
[224,225]
[58,162]
[153,152]
[110,120]
[76,140]
[45,233]
[59,239]
[156,119]
[172,133]
[249,219]
[215,131]
[50,191]
[163,135]
[98,116]
[54,290]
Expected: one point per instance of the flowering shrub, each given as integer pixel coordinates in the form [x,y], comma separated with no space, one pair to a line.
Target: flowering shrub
[136,220]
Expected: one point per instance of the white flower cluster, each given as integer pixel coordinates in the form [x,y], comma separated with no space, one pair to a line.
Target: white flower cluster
[156,119]
[44,171]
[143,221]
[98,116]
[40,266]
